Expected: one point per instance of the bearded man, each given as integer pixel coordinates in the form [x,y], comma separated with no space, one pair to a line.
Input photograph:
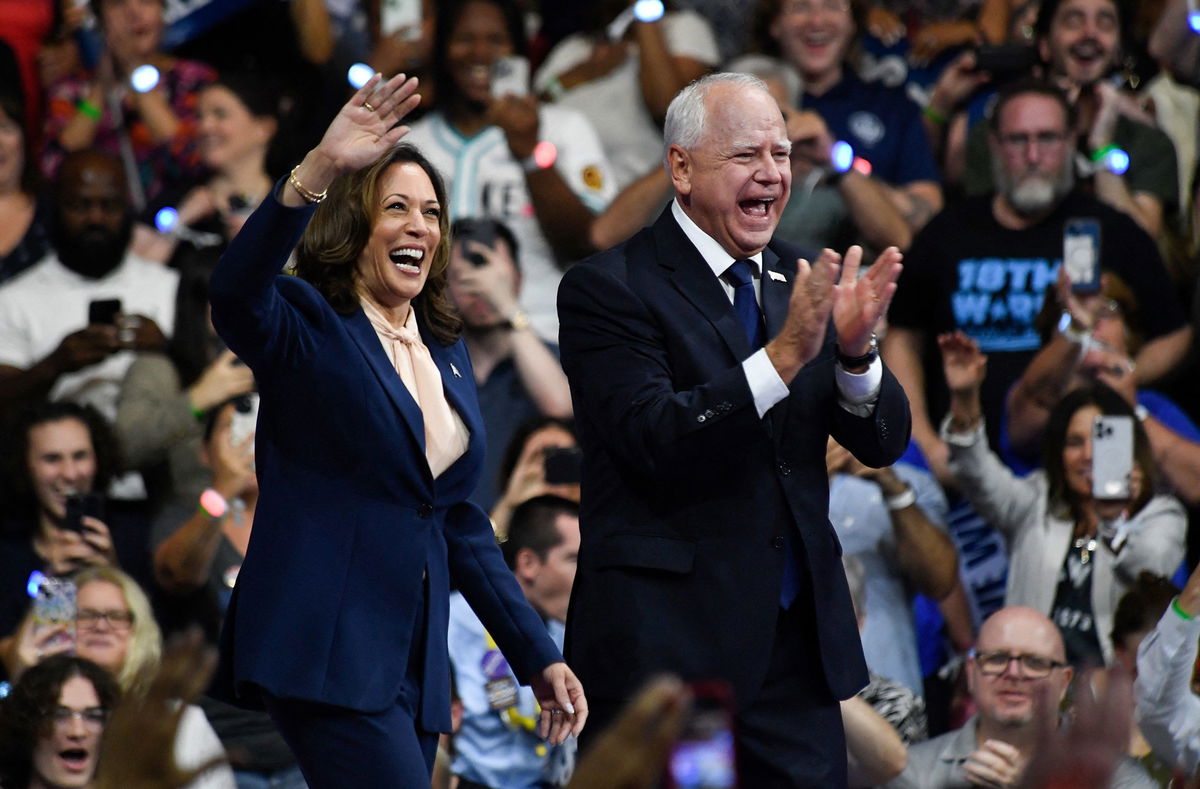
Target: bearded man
[52,341]
[984,264]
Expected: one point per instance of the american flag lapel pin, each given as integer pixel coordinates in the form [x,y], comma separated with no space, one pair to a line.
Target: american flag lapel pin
[455,371]
[775,275]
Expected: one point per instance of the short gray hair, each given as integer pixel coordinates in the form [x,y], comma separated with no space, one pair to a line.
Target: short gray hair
[687,115]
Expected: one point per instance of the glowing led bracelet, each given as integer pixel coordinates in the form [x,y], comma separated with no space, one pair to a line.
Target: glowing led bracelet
[213,504]
[842,159]
[358,74]
[34,583]
[144,78]
[648,10]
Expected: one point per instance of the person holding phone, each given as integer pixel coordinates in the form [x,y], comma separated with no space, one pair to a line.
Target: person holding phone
[539,168]
[1072,555]
[369,442]
[517,372]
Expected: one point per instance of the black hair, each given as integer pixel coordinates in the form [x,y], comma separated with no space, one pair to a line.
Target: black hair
[516,445]
[1027,85]
[532,527]
[1048,8]
[1141,606]
[448,15]
[502,231]
[25,715]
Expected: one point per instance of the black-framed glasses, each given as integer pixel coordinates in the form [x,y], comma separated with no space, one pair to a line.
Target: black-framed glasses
[93,717]
[994,663]
[117,619]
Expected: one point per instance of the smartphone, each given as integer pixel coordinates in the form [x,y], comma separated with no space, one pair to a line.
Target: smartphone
[510,75]
[400,16]
[245,418]
[54,604]
[564,465]
[1081,254]
[104,311]
[481,231]
[1112,457]
[1005,60]
[704,757]
[80,504]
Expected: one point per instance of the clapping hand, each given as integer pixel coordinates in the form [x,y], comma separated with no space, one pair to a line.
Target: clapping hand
[962,362]
[860,302]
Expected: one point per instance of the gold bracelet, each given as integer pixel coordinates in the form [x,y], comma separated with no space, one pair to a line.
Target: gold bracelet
[309,197]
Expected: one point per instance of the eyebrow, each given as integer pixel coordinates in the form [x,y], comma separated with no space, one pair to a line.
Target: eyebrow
[430,201]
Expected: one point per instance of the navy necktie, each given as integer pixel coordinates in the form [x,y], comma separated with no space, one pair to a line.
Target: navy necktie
[745,303]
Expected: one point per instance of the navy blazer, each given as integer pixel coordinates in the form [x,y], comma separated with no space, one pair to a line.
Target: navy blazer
[686,491]
[350,518]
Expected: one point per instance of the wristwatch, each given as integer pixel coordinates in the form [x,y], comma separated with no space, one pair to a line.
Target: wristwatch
[858,361]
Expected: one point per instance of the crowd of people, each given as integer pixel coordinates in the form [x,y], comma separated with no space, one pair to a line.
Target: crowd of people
[1032,164]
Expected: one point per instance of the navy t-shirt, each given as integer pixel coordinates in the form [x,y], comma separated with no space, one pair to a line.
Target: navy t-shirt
[965,271]
[882,124]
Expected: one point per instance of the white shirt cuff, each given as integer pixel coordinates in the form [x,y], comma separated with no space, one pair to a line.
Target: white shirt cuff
[766,386]
[859,391]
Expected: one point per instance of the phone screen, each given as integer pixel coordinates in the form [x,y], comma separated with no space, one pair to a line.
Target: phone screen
[245,418]
[104,311]
[1081,254]
[54,605]
[510,75]
[704,756]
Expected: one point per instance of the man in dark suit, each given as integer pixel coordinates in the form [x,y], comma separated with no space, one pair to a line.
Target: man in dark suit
[706,545]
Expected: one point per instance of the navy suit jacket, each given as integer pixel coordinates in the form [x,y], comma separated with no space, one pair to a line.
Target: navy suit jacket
[686,491]
[350,518]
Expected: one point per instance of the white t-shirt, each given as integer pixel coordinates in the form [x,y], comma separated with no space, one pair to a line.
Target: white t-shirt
[613,103]
[196,744]
[45,303]
[485,180]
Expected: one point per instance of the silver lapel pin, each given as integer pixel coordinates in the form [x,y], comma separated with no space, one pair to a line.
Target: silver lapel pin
[775,275]
[454,370]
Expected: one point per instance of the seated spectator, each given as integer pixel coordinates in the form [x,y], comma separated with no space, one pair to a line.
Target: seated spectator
[1168,711]
[485,147]
[115,628]
[623,86]
[25,233]
[1107,542]
[166,399]
[882,203]
[57,449]
[1137,613]
[49,344]
[153,127]
[1080,43]
[52,724]
[497,745]
[524,473]
[236,120]
[983,265]
[893,520]
[1095,341]
[1018,677]
[516,372]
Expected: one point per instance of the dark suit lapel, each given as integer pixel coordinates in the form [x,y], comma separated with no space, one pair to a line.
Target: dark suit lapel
[364,336]
[776,290]
[694,279]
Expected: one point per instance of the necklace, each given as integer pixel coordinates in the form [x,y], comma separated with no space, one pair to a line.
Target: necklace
[1086,547]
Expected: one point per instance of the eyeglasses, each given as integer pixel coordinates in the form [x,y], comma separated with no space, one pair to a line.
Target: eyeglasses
[1032,666]
[89,618]
[92,718]
[809,7]
[1019,141]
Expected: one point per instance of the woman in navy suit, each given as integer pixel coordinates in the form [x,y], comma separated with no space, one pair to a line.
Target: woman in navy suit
[369,441]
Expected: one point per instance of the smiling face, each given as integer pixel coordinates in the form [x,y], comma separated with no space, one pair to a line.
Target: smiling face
[736,181]
[479,38]
[61,461]
[813,36]
[1084,40]
[1011,699]
[104,640]
[65,756]
[229,133]
[395,263]
[1077,452]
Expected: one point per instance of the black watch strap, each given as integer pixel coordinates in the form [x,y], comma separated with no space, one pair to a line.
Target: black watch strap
[858,361]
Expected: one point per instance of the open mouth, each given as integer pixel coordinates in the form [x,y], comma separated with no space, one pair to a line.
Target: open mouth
[75,759]
[407,259]
[758,208]
[1087,51]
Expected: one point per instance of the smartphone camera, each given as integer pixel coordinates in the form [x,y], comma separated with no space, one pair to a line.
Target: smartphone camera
[481,231]
[564,465]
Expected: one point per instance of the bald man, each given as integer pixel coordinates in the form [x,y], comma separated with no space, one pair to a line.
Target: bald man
[1018,677]
[49,346]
